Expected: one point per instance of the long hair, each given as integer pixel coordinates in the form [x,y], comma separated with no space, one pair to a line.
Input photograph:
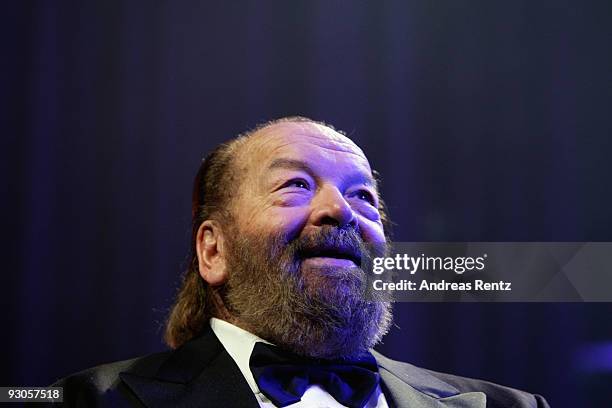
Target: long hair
[212,192]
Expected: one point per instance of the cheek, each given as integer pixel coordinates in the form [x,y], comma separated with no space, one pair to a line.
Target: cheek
[288,221]
[371,231]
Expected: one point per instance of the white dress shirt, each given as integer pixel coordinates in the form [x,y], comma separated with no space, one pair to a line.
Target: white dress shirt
[239,344]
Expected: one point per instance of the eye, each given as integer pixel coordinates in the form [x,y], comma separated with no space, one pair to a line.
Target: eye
[365,195]
[298,183]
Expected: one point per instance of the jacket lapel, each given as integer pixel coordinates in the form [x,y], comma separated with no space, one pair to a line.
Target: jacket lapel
[407,386]
[199,373]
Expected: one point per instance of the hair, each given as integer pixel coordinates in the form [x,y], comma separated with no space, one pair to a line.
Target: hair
[214,187]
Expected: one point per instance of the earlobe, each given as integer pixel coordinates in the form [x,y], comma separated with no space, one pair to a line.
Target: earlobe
[211,253]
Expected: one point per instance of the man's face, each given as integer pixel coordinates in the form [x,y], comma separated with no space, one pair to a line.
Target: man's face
[305,218]
[301,177]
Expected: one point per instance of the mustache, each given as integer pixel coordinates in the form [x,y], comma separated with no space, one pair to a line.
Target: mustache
[331,241]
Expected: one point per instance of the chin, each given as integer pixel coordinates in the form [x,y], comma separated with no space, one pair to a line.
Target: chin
[338,326]
[332,283]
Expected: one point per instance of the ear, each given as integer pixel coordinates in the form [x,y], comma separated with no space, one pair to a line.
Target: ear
[211,255]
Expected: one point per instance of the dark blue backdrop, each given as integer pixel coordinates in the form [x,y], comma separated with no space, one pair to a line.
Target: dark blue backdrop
[488,120]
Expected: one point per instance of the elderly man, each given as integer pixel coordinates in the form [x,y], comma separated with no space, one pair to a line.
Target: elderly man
[272,312]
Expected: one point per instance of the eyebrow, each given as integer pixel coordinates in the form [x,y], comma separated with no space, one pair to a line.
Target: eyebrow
[290,164]
[293,164]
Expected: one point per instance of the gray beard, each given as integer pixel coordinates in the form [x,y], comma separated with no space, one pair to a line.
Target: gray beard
[319,312]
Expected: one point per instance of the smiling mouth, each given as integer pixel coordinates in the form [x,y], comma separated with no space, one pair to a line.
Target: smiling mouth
[333,256]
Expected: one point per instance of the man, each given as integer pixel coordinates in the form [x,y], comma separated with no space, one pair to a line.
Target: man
[271,312]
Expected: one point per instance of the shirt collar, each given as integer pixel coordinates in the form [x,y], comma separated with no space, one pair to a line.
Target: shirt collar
[239,344]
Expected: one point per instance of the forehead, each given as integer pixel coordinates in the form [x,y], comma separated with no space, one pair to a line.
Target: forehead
[315,144]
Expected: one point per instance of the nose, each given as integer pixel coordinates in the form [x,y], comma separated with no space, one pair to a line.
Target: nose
[330,208]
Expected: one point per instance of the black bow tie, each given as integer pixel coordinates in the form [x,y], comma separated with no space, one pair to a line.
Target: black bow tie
[284,377]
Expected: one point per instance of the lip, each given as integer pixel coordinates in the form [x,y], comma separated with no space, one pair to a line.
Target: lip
[344,256]
[330,261]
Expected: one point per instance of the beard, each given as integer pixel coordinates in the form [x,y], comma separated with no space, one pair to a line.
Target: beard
[316,311]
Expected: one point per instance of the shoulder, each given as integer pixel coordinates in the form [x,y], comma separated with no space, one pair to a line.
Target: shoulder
[497,395]
[428,380]
[86,387]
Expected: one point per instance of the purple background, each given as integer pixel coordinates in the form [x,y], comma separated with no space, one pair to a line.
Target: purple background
[489,121]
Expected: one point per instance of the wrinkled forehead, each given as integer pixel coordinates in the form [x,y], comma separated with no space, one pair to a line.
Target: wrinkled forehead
[306,141]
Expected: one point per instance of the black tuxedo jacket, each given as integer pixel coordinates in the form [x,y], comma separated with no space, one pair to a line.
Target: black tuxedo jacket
[201,373]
